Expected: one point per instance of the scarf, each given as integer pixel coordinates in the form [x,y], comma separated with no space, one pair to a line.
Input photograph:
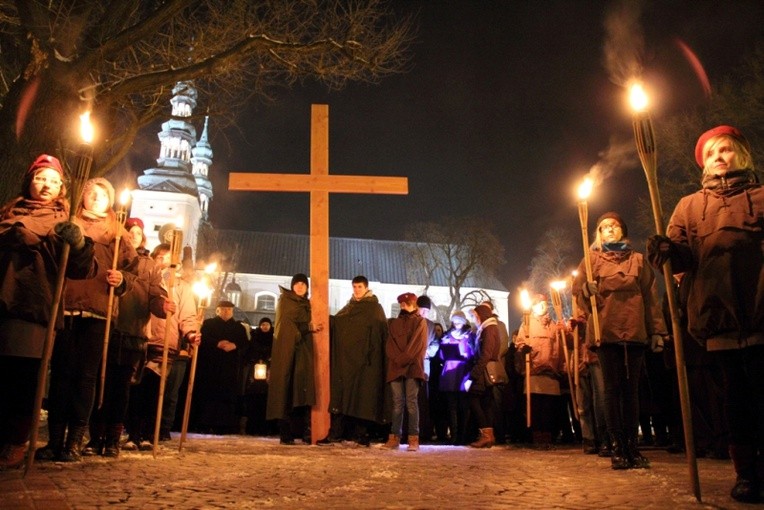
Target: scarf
[730,182]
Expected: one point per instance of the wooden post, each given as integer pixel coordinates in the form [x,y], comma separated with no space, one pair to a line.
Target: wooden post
[319,183]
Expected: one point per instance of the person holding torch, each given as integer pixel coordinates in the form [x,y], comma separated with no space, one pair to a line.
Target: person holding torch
[716,237]
[78,347]
[33,229]
[630,319]
[127,347]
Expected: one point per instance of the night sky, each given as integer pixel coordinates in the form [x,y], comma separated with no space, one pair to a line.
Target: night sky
[506,106]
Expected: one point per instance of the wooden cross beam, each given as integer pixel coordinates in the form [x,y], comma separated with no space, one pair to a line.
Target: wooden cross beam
[319,184]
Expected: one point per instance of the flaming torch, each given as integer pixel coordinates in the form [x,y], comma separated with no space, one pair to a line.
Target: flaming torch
[644,136]
[176,242]
[203,291]
[555,288]
[124,198]
[80,175]
[584,190]
[526,303]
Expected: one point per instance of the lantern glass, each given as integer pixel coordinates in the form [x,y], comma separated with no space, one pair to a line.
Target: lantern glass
[261,371]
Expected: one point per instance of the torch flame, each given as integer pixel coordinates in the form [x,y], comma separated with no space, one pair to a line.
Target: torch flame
[585,188]
[202,290]
[211,267]
[638,97]
[558,285]
[86,128]
[525,300]
[124,197]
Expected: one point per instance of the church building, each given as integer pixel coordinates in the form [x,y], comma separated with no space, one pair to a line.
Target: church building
[178,192]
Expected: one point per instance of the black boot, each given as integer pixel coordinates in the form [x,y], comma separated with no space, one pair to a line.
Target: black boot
[52,450]
[95,445]
[618,460]
[72,449]
[635,459]
[746,489]
[111,443]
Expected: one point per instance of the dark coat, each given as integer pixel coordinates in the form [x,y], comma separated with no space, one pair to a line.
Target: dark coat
[291,380]
[488,349]
[216,390]
[358,364]
[406,347]
[457,351]
[29,256]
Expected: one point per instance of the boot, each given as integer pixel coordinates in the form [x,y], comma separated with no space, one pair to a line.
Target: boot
[393,442]
[73,448]
[618,460]
[12,456]
[111,443]
[636,460]
[541,440]
[413,443]
[52,450]
[746,489]
[486,439]
[95,445]
[590,447]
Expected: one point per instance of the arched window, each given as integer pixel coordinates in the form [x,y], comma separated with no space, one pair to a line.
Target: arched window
[265,302]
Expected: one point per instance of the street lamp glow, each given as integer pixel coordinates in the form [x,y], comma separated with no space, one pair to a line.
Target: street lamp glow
[638,97]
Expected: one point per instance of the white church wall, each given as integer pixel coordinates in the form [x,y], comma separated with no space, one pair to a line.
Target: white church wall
[156,208]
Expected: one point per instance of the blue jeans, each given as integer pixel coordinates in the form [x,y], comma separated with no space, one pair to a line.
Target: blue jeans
[406,391]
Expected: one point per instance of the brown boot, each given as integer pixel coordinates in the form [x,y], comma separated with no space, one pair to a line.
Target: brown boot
[393,442]
[413,444]
[486,439]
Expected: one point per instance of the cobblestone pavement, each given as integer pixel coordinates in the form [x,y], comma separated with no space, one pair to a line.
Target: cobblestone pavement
[247,472]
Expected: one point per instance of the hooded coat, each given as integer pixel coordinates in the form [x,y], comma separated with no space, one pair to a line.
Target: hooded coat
[29,255]
[291,377]
[358,362]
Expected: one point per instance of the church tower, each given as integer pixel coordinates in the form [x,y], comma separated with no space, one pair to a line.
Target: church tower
[178,189]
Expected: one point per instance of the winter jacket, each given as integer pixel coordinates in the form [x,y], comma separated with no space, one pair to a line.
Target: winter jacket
[406,346]
[457,350]
[357,354]
[628,305]
[488,349]
[147,297]
[92,295]
[718,242]
[181,324]
[292,382]
[29,256]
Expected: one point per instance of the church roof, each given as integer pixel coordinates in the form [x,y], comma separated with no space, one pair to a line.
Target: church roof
[287,254]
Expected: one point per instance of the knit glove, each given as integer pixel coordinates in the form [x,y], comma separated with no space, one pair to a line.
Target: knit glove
[590,289]
[71,233]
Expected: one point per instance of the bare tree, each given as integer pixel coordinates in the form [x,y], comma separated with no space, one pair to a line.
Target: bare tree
[455,249]
[555,257]
[122,57]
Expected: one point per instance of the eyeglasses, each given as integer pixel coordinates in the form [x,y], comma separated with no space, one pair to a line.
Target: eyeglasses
[610,227]
[52,182]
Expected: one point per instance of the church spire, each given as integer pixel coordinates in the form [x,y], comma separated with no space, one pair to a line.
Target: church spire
[201,161]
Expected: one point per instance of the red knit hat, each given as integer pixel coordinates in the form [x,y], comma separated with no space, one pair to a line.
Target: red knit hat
[46,161]
[730,131]
[133,222]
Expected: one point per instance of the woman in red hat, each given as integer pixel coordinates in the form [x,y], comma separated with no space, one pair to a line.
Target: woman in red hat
[630,320]
[716,237]
[33,229]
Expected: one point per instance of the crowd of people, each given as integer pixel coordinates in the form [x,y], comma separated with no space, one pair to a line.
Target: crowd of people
[403,380]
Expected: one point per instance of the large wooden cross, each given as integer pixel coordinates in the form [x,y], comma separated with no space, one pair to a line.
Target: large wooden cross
[319,183]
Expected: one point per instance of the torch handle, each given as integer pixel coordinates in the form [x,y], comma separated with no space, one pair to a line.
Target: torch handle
[583,217]
[194,351]
[528,389]
[165,357]
[109,315]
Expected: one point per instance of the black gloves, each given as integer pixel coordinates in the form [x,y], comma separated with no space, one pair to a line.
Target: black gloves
[71,233]
[659,250]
